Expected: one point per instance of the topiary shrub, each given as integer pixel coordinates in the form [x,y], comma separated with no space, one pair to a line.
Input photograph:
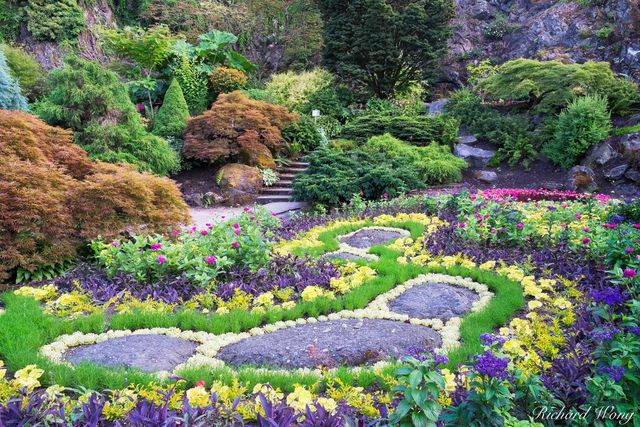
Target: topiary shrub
[584,123]
[54,20]
[26,70]
[172,117]
[549,86]
[54,198]
[333,176]
[435,163]
[417,130]
[225,80]
[10,96]
[237,128]
[95,104]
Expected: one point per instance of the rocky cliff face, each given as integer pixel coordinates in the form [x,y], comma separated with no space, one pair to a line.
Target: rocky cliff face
[547,29]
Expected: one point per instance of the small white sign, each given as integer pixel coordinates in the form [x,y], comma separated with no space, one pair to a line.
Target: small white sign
[315,113]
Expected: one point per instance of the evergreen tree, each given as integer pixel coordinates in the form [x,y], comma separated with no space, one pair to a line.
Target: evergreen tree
[385,45]
[172,116]
[10,96]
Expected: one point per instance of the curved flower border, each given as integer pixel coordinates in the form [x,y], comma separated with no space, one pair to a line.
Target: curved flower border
[363,253]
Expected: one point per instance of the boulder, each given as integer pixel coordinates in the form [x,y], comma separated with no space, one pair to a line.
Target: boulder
[481,10]
[256,154]
[436,107]
[616,172]
[600,154]
[239,183]
[581,178]
[466,138]
[486,176]
[476,157]
[630,146]
[633,175]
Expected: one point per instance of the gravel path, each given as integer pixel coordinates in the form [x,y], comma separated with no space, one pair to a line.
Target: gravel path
[149,353]
[350,342]
[434,300]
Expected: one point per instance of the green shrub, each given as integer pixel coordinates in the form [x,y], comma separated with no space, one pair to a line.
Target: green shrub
[26,70]
[193,82]
[171,120]
[54,20]
[549,86]
[417,130]
[10,96]
[435,163]
[95,104]
[583,124]
[509,132]
[498,28]
[306,91]
[10,17]
[333,176]
[302,136]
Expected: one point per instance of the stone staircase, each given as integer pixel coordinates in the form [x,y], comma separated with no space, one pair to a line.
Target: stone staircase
[282,191]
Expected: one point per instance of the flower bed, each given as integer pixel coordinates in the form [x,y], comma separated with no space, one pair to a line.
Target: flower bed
[554,320]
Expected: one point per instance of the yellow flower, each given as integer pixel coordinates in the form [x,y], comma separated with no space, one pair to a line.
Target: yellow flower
[300,398]
[41,294]
[28,377]
[288,304]
[264,299]
[489,265]
[533,305]
[198,397]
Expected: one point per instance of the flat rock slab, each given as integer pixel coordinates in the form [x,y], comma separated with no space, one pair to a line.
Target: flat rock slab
[149,353]
[434,300]
[367,238]
[345,256]
[350,342]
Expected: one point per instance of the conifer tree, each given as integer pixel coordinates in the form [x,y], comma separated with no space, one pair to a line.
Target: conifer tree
[172,116]
[10,96]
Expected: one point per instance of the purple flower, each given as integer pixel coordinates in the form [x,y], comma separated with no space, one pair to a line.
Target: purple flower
[161,259]
[617,219]
[439,359]
[609,296]
[490,339]
[634,329]
[156,246]
[614,372]
[492,366]
[603,334]
[629,273]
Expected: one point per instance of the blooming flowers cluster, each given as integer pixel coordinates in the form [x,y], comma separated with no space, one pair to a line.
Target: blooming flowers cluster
[492,366]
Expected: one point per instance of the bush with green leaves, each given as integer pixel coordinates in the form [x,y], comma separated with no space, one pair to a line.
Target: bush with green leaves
[584,123]
[26,70]
[95,104]
[435,163]
[10,18]
[509,132]
[10,96]
[54,20]
[194,83]
[498,28]
[333,176]
[417,130]
[306,91]
[172,117]
[549,86]
[302,136]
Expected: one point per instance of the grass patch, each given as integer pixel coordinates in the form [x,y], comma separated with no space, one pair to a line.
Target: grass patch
[625,130]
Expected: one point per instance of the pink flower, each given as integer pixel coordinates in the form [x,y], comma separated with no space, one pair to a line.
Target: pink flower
[586,229]
[237,231]
[115,244]
[222,217]
[204,232]
[211,260]
[636,226]
[628,250]
[235,245]
[200,383]
[462,225]
[236,226]
[175,233]
[578,216]
[208,225]
[494,231]
[156,246]
[385,195]
[609,226]
[629,273]
[273,214]
[586,240]
[161,259]
[502,230]
[253,218]
[520,225]
[247,209]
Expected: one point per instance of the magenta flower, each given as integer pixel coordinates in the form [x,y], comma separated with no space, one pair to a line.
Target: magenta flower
[462,225]
[204,232]
[235,245]
[385,195]
[628,250]
[247,209]
[236,225]
[237,231]
[586,229]
[629,273]
[161,259]
[156,246]
[115,244]
[636,226]
[578,216]
[494,231]
[520,225]
[211,260]
[175,233]
[586,240]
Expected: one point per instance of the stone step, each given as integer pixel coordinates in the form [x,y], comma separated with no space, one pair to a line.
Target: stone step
[298,164]
[285,183]
[293,171]
[264,199]
[287,176]
[277,190]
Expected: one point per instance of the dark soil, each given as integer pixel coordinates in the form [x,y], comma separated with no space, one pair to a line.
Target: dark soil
[434,300]
[149,353]
[198,180]
[349,342]
[367,238]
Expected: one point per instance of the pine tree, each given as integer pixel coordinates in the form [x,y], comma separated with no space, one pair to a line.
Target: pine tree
[172,116]
[10,96]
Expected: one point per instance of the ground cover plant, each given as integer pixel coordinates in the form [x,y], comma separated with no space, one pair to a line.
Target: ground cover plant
[544,315]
